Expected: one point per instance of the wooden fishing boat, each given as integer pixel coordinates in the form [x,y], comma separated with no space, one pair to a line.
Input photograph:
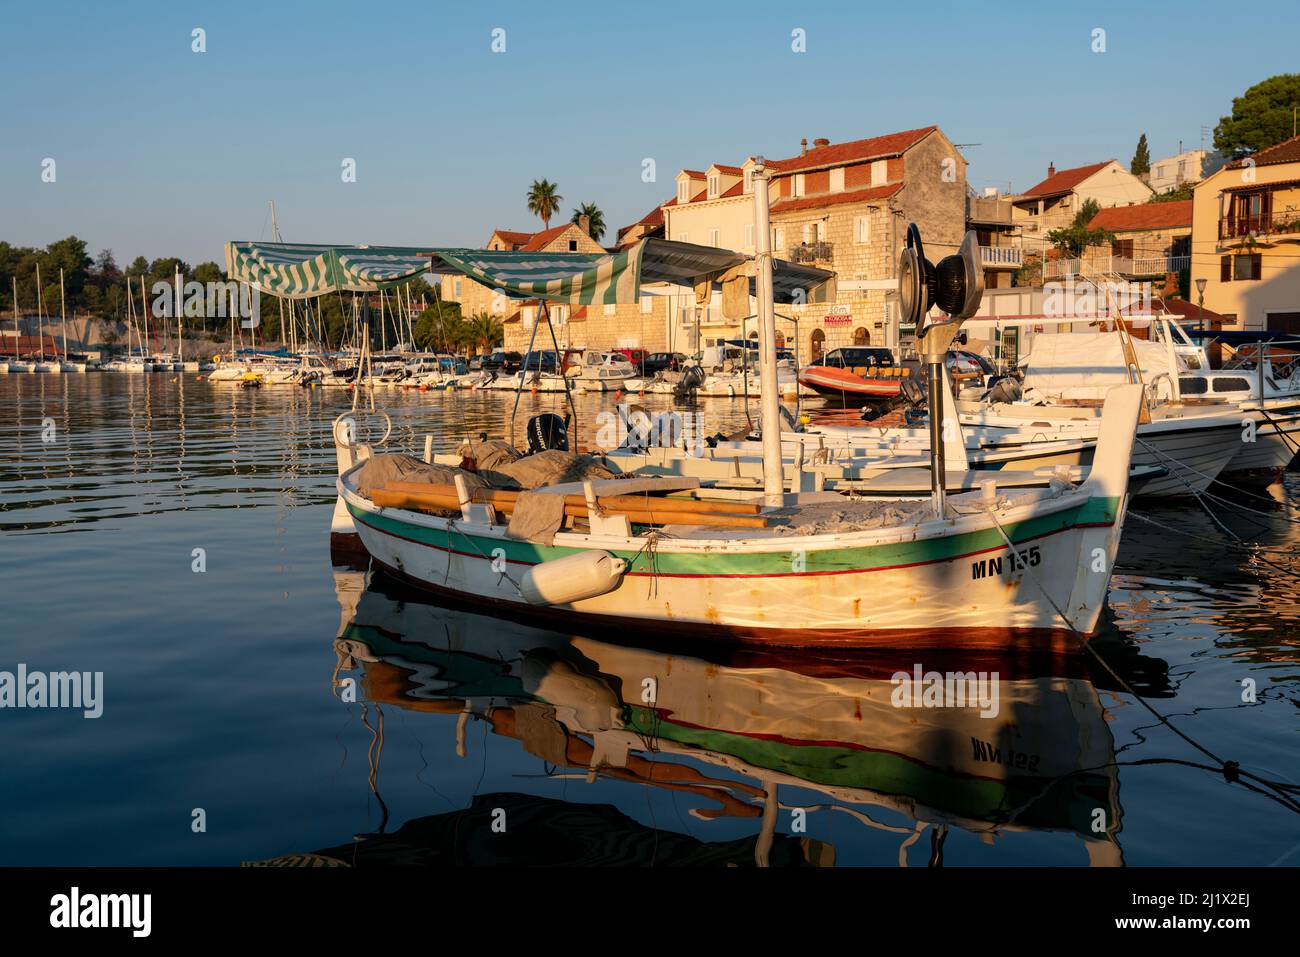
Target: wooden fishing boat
[764,720]
[1000,569]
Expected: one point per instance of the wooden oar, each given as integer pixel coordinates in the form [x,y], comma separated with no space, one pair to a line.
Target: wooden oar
[642,516]
[500,497]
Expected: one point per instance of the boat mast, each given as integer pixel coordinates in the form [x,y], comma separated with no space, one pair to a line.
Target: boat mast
[40,313]
[17,333]
[63,314]
[180,339]
[769,397]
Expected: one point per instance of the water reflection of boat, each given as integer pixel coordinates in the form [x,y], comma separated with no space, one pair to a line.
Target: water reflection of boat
[753,735]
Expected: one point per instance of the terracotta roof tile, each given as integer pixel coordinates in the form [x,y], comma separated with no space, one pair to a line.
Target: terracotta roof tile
[1288,151]
[786,204]
[1064,180]
[1144,216]
[539,241]
[512,236]
[876,147]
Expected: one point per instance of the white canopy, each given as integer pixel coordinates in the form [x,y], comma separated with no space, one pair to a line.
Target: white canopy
[1084,365]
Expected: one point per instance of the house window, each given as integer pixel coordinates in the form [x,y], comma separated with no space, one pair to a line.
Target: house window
[837,180]
[647,305]
[526,314]
[1248,266]
[798,185]
[879,172]
[713,238]
[810,232]
[573,245]
[684,191]
[683,237]
[749,181]
[778,238]
[861,230]
[749,235]
[713,186]
[611,309]
[455,286]
[1122,248]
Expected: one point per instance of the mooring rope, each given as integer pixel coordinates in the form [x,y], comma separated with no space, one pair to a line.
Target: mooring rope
[1231,770]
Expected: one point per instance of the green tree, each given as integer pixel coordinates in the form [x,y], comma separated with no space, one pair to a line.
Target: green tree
[485,331]
[1261,117]
[1179,192]
[208,272]
[596,217]
[544,200]
[139,267]
[1141,162]
[1072,239]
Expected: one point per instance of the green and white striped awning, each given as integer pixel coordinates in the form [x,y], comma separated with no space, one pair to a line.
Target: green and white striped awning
[301,271]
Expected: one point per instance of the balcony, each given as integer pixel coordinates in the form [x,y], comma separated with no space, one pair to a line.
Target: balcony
[812,252]
[988,210]
[1263,224]
[1002,257]
[1129,267]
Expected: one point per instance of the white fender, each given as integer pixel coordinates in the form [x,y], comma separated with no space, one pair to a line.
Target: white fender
[573,578]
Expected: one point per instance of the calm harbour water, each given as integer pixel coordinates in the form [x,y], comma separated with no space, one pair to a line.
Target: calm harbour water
[226,690]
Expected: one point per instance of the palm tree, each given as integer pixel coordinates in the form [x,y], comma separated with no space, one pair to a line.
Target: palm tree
[485,331]
[544,201]
[595,217]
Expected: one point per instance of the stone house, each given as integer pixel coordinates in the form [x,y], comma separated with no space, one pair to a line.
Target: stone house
[842,207]
[637,326]
[1054,202]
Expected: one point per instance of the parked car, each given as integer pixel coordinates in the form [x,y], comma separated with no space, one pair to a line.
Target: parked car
[501,361]
[475,363]
[637,357]
[968,364]
[543,360]
[658,362]
[855,357]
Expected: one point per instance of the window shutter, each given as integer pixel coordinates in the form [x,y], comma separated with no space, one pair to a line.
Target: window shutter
[1225,269]
[1256,265]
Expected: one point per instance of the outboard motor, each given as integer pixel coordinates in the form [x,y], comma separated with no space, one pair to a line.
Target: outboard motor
[911,395]
[1004,389]
[547,432]
[691,380]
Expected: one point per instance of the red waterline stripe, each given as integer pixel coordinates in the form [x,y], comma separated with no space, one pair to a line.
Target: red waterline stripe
[845,571]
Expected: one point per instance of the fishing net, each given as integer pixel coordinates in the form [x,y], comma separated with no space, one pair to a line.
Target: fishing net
[379,470]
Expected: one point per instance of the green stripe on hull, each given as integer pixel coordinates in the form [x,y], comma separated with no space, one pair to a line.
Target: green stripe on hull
[1064,803]
[1094,511]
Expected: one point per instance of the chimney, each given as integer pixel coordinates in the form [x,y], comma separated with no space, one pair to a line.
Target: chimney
[803,146]
[820,142]
[584,223]
[1051,169]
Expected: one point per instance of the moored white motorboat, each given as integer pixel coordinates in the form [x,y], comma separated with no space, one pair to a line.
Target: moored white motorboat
[602,372]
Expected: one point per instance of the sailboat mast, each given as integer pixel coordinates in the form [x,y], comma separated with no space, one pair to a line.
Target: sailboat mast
[144,316]
[17,333]
[180,339]
[40,312]
[63,314]
[769,397]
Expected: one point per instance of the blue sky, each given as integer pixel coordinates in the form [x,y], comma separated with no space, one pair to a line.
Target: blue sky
[163,151]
